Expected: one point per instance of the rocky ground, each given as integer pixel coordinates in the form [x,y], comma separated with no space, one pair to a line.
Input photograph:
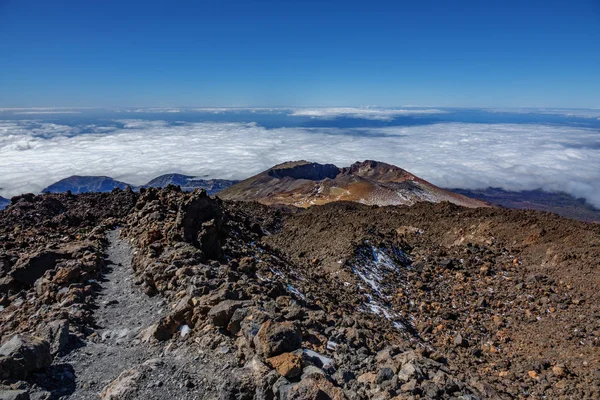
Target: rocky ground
[227,300]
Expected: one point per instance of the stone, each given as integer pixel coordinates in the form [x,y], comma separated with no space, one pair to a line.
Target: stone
[288,365]
[22,355]
[163,330]
[221,314]
[30,270]
[14,395]
[311,370]
[316,359]
[234,324]
[460,341]
[384,374]
[315,387]
[409,371]
[367,377]
[410,386]
[274,338]
[123,386]
[559,371]
[343,376]
[67,274]
[532,374]
[280,387]
[431,390]
[56,333]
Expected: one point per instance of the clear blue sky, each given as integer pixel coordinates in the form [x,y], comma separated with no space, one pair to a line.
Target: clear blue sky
[308,52]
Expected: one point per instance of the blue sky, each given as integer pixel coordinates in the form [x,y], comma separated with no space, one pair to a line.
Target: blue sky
[290,53]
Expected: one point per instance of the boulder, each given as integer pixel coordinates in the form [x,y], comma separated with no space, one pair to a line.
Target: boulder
[22,355]
[14,395]
[221,314]
[56,333]
[274,338]
[26,272]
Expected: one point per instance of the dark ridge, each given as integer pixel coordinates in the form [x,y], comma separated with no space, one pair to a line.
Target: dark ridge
[189,183]
[83,184]
[312,171]
[557,202]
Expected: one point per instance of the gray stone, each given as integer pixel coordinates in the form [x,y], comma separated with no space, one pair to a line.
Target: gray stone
[222,312]
[56,333]
[409,371]
[384,374]
[311,370]
[22,355]
[14,395]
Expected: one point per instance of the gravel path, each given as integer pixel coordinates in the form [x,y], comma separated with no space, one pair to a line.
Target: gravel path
[159,371]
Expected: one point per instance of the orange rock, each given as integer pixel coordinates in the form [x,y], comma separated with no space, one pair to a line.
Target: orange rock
[532,374]
[559,370]
[288,365]
[367,377]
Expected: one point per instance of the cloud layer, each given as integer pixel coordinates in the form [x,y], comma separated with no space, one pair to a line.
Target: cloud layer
[380,114]
[513,156]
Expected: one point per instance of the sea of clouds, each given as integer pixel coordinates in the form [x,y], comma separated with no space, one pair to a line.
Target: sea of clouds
[34,154]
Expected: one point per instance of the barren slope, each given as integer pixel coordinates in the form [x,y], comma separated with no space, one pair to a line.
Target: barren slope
[303,184]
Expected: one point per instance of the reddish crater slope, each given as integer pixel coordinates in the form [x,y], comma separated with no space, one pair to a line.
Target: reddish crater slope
[303,184]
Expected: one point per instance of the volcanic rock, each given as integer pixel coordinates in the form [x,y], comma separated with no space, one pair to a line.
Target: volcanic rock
[221,313]
[22,355]
[274,338]
[288,365]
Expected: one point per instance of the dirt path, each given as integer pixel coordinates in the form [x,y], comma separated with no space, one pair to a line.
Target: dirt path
[156,371]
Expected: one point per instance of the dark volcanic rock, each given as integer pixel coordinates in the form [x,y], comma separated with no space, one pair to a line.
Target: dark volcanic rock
[22,355]
[275,338]
[30,270]
[221,313]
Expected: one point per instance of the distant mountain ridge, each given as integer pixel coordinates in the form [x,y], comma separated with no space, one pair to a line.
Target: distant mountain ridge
[303,184]
[557,202]
[84,184]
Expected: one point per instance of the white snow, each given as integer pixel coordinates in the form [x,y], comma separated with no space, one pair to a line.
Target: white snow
[184,330]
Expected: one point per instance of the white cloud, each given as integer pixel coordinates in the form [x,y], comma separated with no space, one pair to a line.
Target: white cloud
[513,156]
[565,112]
[46,112]
[381,114]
